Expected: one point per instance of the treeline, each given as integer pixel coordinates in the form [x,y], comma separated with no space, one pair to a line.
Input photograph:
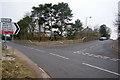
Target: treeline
[53,22]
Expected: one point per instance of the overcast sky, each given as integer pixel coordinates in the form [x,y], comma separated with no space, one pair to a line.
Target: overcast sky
[101,11]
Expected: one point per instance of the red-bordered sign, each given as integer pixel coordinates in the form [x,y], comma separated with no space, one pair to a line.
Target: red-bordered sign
[7,28]
[7,32]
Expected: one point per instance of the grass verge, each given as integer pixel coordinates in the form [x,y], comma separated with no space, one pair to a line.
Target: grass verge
[15,68]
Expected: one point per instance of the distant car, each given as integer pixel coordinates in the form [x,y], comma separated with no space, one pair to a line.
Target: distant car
[103,38]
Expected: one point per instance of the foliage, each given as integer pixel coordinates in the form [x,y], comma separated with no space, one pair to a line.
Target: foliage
[72,37]
[104,31]
[73,31]
[47,16]
[27,28]
[77,25]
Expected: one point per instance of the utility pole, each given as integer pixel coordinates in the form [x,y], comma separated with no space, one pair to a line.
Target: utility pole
[87,27]
[87,20]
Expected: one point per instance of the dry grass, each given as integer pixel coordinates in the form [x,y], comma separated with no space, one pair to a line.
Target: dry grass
[16,68]
[50,43]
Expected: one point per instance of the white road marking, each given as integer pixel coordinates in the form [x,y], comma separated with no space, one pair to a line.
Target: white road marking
[83,53]
[41,69]
[59,56]
[39,50]
[101,69]
[30,47]
[87,53]
[36,49]
[106,57]
[84,50]
[78,51]
[90,54]
[96,56]
[115,59]
[91,46]
[74,52]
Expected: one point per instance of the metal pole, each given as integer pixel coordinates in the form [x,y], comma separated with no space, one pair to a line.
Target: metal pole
[5,38]
[86,21]
[87,27]
[12,37]
[12,40]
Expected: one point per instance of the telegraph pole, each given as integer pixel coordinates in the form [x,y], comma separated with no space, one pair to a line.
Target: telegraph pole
[87,27]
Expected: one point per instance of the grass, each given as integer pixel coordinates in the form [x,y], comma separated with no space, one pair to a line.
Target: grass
[16,69]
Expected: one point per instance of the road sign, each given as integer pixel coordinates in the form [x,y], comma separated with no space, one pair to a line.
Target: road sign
[7,28]
[16,28]
[6,20]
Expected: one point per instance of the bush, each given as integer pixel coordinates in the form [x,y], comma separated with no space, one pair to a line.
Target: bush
[72,37]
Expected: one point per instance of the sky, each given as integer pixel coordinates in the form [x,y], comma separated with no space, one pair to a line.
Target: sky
[101,11]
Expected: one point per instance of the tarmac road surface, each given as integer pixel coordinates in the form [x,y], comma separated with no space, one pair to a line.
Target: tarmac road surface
[94,59]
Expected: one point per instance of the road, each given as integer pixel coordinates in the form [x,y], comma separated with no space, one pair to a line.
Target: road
[94,59]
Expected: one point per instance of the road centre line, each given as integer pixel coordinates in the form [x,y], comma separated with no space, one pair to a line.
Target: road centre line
[92,46]
[39,50]
[101,69]
[35,49]
[30,47]
[59,56]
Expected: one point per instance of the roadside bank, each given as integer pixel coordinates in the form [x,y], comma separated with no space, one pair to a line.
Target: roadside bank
[18,65]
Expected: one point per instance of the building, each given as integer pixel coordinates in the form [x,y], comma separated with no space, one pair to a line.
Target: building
[88,30]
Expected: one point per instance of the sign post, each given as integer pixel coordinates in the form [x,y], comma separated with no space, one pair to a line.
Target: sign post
[12,37]
[8,27]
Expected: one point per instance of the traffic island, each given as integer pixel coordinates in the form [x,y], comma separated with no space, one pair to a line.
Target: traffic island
[49,43]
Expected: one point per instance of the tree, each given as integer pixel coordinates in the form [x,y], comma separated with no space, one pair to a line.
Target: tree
[27,28]
[104,31]
[64,14]
[47,15]
[38,12]
[78,25]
